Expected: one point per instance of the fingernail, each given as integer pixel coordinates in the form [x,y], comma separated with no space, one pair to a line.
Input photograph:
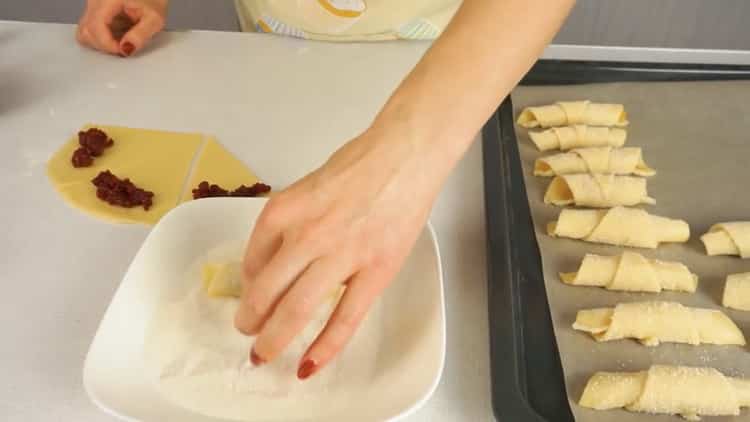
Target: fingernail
[307,368]
[127,49]
[255,359]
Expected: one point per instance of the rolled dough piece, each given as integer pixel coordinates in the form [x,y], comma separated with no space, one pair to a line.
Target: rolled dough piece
[621,161]
[731,238]
[655,322]
[597,191]
[619,226]
[222,279]
[157,161]
[675,390]
[564,113]
[577,136]
[632,272]
[737,292]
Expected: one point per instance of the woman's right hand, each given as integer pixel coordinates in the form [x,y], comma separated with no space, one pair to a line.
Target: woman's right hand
[94,28]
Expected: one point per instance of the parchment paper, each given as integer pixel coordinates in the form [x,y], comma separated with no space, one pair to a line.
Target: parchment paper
[697,137]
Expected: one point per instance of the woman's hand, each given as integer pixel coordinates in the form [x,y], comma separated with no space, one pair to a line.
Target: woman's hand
[95,27]
[355,221]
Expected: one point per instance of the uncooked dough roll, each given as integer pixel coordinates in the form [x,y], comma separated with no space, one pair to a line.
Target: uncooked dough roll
[632,272]
[737,292]
[564,113]
[222,279]
[675,390]
[728,239]
[619,226]
[568,137]
[597,191]
[621,161]
[655,322]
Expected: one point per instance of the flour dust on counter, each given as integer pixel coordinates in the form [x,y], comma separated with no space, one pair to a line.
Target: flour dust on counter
[201,362]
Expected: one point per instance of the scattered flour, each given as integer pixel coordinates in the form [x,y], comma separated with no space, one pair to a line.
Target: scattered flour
[200,362]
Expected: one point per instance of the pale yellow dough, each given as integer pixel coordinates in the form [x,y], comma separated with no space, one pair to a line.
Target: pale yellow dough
[655,322]
[632,272]
[156,161]
[731,238]
[620,161]
[224,279]
[564,113]
[675,390]
[737,292]
[619,226]
[597,191]
[217,166]
[577,136]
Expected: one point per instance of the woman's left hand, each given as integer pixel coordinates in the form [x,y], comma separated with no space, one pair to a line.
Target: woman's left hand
[354,220]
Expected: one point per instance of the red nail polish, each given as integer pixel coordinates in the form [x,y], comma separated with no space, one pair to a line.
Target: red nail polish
[255,359]
[127,49]
[307,368]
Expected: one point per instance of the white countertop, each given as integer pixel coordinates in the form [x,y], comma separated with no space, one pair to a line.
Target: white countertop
[282,105]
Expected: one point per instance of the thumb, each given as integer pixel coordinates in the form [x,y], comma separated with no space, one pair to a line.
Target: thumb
[148,23]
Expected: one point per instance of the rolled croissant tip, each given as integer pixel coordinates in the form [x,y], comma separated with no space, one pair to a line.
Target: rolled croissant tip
[527,119]
[676,231]
[551,228]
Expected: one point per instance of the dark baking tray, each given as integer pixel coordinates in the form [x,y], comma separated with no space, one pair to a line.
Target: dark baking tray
[526,374]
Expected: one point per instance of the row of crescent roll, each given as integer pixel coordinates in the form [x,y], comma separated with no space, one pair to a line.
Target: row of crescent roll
[595,171]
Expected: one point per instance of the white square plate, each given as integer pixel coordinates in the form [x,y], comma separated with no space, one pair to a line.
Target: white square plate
[410,357]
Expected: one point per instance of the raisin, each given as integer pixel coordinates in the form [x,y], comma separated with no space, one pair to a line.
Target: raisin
[81,158]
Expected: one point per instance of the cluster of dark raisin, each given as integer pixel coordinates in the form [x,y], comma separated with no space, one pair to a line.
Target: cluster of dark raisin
[208,190]
[121,192]
[93,143]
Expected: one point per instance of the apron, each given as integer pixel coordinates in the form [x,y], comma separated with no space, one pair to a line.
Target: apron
[348,20]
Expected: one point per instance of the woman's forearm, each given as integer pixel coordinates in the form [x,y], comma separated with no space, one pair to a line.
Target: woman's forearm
[481,56]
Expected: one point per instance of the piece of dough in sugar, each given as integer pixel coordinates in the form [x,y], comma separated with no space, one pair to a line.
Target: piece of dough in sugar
[737,292]
[597,191]
[620,161]
[564,113]
[224,279]
[619,226]
[633,272]
[675,390]
[578,136]
[654,322]
[731,238]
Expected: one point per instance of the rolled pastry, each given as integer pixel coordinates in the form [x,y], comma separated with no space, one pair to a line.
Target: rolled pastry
[563,113]
[621,161]
[632,272]
[568,137]
[728,239]
[597,191]
[619,226]
[655,322]
[675,390]
[737,292]
[222,279]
